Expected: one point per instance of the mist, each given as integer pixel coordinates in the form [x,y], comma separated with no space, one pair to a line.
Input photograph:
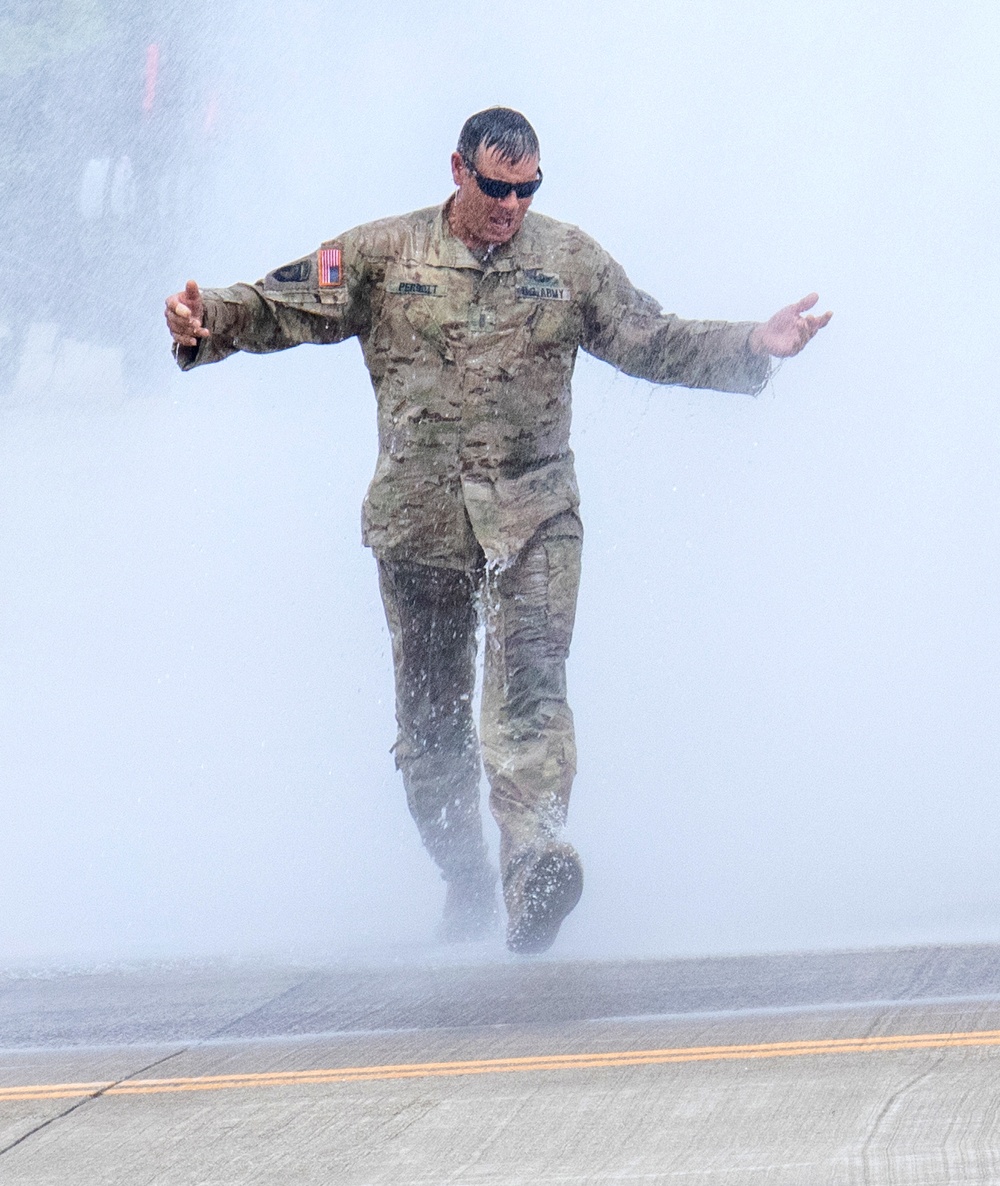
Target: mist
[784,665]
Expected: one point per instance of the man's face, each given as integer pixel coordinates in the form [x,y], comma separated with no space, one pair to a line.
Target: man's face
[490,220]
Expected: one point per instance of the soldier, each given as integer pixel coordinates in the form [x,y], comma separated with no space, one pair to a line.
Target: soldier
[470,316]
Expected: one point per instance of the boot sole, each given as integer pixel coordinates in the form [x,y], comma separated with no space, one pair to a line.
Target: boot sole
[551,891]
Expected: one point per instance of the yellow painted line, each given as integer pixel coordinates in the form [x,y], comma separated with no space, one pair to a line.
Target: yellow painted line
[494,1066]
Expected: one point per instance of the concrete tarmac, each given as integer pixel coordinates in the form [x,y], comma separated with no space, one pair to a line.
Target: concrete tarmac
[864,1067]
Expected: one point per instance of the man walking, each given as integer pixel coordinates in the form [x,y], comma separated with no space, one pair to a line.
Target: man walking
[470,316]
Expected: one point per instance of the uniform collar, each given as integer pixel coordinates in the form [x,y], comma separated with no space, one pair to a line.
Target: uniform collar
[446,250]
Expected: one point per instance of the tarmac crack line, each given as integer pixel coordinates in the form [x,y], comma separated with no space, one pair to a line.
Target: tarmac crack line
[104,1088]
[223,1029]
[91,1097]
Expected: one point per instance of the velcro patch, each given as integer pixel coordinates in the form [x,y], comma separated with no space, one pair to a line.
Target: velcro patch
[482,321]
[293,273]
[412,288]
[331,273]
[541,292]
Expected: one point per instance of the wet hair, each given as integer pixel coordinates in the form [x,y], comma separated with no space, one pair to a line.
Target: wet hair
[506,131]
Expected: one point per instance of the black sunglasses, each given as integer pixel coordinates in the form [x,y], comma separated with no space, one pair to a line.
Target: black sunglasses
[500,189]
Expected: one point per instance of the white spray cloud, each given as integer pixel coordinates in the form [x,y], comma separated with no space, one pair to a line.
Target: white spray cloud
[784,667]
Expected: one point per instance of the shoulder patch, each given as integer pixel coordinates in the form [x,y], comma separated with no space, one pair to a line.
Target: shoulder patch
[293,273]
[331,272]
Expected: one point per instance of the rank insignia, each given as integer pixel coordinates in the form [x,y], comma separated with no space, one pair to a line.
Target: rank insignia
[482,321]
[331,273]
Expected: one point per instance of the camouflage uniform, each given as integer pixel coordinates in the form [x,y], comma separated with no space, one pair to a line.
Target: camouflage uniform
[474,501]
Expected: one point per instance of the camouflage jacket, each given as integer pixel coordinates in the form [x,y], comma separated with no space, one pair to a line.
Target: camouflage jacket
[471,364]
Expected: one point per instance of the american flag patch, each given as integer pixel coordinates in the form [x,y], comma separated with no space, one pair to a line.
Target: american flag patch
[330,272]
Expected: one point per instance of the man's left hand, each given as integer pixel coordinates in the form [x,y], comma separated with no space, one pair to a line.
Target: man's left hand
[788,330]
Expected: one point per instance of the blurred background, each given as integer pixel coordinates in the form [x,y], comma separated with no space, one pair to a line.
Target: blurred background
[785,666]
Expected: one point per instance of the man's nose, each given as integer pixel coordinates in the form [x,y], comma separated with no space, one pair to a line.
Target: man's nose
[510,201]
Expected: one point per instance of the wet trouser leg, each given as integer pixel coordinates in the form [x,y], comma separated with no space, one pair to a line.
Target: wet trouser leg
[432,618]
[528,744]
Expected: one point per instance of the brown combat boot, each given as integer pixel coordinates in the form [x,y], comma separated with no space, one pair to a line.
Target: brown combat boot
[470,907]
[540,886]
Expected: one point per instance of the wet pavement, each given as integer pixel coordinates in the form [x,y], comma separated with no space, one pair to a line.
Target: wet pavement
[867,1067]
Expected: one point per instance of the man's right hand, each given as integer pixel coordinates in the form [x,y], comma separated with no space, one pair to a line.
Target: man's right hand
[185,313]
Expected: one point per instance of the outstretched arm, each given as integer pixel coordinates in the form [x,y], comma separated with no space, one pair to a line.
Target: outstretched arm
[788,331]
[293,304]
[627,328]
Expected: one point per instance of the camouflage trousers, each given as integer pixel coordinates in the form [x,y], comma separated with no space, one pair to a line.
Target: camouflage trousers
[526,726]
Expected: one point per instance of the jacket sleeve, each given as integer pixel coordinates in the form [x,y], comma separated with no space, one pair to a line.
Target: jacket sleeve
[291,305]
[624,326]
